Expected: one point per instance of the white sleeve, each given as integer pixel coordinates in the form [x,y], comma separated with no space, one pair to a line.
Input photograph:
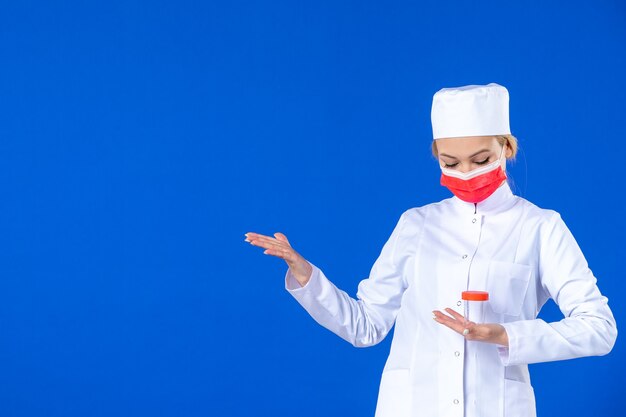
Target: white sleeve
[588,328]
[364,321]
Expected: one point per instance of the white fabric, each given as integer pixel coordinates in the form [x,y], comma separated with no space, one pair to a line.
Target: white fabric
[521,254]
[471,110]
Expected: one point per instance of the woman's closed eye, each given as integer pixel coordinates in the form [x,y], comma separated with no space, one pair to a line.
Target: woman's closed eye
[454,164]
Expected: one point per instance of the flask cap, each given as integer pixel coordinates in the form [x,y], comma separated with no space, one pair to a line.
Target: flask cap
[475,295]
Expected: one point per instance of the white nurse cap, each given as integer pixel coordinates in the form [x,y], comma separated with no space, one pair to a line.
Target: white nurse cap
[471,110]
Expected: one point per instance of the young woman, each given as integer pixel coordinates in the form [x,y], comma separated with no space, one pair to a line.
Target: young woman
[483,238]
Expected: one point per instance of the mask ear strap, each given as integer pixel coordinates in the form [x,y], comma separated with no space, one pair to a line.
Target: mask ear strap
[501,152]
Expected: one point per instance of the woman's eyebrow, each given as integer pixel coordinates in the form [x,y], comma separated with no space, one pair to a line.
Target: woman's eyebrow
[471,156]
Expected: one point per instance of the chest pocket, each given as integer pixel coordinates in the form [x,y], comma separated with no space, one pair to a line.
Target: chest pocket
[507,284]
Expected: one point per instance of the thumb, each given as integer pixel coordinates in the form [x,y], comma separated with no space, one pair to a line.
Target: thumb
[281,237]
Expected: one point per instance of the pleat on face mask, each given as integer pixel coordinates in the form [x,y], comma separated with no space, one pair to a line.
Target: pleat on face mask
[476,185]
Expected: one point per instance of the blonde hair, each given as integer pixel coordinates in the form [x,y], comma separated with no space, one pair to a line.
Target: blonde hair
[503,140]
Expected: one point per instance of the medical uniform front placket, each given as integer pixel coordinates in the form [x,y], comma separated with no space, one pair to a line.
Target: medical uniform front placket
[457,353]
[470,371]
[475,226]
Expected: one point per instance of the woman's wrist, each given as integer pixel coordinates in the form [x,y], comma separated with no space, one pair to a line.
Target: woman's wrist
[503,338]
[303,273]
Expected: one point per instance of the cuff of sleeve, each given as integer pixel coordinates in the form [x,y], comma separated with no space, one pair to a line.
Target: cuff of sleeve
[503,352]
[508,354]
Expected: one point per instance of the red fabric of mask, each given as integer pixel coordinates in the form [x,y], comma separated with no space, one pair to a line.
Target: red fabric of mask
[477,189]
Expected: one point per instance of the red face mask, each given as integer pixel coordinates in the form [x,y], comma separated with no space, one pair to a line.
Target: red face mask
[476,185]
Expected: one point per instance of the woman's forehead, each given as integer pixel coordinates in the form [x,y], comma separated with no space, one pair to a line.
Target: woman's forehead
[464,147]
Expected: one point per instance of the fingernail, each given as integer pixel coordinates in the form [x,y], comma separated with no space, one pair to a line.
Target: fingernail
[247,240]
[465,332]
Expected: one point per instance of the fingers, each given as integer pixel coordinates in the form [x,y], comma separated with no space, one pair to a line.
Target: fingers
[275,247]
[454,314]
[281,237]
[484,332]
[259,237]
[455,319]
[448,321]
[457,322]
[251,236]
[265,241]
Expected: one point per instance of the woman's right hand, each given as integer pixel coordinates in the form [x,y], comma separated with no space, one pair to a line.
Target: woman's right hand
[280,247]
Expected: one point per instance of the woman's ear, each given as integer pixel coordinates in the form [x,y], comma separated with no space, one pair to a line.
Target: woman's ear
[509,151]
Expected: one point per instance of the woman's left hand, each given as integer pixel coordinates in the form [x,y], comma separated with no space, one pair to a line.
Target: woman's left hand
[483,332]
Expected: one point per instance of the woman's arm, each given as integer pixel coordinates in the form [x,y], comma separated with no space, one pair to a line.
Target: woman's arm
[588,328]
[364,321]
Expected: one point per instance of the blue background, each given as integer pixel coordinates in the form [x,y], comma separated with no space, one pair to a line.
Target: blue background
[140,140]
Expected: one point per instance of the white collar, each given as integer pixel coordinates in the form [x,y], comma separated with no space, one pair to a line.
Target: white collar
[499,201]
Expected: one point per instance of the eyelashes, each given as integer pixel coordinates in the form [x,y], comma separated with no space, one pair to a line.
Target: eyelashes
[484,162]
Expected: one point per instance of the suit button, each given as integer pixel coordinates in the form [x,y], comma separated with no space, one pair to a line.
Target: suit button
[473,220]
[464,256]
[455,401]
[457,353]
[459,303]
